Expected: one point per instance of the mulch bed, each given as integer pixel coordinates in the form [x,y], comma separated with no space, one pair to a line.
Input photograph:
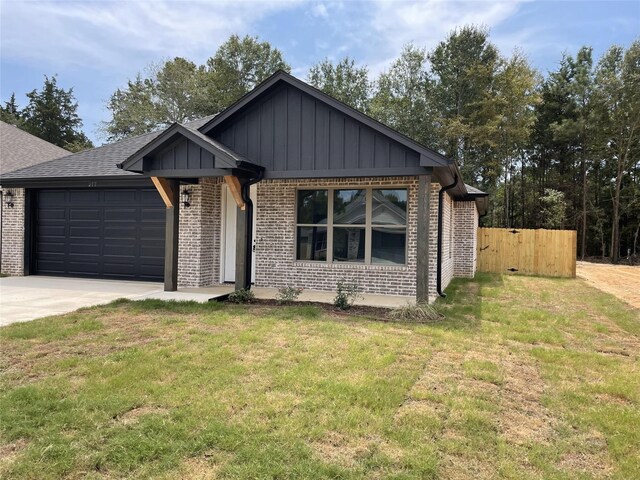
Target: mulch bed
[379,313]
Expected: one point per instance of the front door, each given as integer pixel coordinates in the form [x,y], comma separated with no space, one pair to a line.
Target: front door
[229,248]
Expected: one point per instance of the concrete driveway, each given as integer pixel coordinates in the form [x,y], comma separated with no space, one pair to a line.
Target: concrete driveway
[27,298]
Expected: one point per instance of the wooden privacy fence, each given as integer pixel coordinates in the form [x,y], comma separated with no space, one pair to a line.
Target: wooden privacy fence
[528,252]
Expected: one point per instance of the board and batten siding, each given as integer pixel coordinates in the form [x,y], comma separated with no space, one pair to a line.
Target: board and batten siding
[289,130]
[182,154]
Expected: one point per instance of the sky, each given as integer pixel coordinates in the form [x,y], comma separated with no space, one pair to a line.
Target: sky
[96,46]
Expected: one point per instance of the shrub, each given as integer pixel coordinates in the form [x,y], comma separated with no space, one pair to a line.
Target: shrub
[346,294]
[288,294]
[419,312]
[244,295]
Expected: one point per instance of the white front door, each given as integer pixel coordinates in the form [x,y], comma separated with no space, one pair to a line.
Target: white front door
[229,222]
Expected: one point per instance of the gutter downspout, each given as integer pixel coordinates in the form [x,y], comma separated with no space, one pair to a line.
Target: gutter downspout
[439,247]
[246,196]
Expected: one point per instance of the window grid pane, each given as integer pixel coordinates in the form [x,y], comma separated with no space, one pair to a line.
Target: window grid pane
[374,229]
[389,206]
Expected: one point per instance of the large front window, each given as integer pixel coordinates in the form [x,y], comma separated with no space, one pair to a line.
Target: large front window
[354,225]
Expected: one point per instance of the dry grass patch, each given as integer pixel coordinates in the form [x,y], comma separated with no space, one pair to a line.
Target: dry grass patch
[133,416]
[513,383]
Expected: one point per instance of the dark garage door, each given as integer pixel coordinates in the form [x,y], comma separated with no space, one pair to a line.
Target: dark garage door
[100,233]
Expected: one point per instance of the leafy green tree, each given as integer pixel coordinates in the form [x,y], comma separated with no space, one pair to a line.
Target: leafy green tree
[507,113]
[576,129]
[402,96]
[343,81]
[463,67]
[237,67]
[133,111]
[617,126]
[52,114]
[554,208]
[178,90]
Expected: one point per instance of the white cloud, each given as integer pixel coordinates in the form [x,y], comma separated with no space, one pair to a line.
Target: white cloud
[117,34]
[391,24]
[319,10]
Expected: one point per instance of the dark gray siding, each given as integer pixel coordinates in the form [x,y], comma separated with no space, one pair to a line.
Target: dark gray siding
[180,155]
[289,130]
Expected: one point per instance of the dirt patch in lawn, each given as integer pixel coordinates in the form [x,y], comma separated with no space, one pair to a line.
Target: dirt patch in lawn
[524,419]
[133,416]
[339,449]
[590,459]
[9,452]
[204,467]
[623,281]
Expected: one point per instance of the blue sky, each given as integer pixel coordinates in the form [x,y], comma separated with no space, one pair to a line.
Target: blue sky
[95,46]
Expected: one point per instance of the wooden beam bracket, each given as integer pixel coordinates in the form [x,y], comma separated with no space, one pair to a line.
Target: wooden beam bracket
[165,190]
[236,190]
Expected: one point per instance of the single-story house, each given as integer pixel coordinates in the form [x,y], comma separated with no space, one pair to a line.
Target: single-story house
[19,149]
[286,187]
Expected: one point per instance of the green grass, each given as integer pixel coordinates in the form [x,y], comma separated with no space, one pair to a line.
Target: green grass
[526,378]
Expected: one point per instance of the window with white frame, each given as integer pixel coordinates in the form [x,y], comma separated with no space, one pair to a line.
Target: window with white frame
[352,225]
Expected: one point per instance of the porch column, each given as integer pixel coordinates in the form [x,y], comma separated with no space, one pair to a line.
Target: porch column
[169,190]
[422,240]
[241,249]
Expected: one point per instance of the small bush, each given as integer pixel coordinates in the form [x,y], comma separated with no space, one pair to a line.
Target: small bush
[346,294]
[288,294]
[420,312]
[244,295]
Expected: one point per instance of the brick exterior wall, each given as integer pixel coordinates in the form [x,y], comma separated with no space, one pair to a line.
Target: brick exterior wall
[448,254]
[12,261]
[199,240]
[465,239]
[276,265]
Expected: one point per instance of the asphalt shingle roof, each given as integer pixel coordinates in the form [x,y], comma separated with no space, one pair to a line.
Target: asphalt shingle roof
[97,162]
[473,190]
[19,149]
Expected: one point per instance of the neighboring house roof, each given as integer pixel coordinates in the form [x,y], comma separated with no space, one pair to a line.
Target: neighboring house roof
[97,162]
[19,149]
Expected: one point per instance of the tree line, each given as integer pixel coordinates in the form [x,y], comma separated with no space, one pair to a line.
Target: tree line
[50,114]
[560,150]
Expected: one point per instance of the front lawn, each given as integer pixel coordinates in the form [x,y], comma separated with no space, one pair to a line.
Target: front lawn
[526,378]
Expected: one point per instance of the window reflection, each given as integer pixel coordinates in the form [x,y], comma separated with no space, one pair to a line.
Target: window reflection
[348,244]
[349,207]
[388,245]
[311,243]
[389,207]
[312,206]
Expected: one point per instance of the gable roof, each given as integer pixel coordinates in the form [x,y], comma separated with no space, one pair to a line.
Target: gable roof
[19,149]
[429,157]
[97,162]
[227,157]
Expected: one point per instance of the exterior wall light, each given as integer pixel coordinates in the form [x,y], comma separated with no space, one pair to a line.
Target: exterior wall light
[8,195]
[185,196]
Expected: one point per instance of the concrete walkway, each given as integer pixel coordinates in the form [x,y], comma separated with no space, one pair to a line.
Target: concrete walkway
[27,298]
